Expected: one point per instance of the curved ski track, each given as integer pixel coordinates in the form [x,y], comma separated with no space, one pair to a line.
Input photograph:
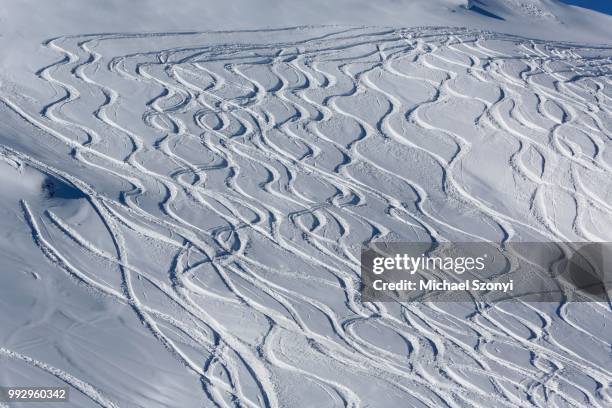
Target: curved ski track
[252,170]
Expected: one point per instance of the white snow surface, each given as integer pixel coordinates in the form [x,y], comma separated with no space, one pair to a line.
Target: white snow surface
[185,188]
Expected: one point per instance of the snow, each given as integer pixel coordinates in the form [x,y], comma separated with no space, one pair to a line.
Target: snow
[185,188]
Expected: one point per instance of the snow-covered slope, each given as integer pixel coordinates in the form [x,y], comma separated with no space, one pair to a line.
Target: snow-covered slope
[182,213]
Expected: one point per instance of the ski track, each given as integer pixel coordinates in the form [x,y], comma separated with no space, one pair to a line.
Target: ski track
[263,166]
